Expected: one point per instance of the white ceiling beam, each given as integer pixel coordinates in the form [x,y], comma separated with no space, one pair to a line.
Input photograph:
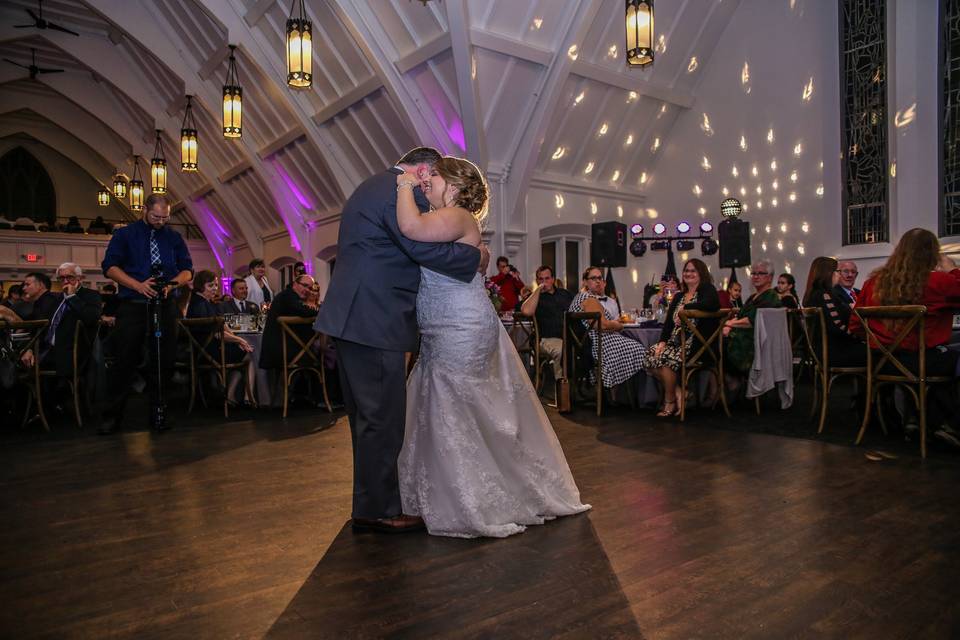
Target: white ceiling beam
[522,164]
[284,139]
[347,100]
[510,47]
[255,13]
[626,82]
[211,65]
[458,20]
[427,51]
[235,170]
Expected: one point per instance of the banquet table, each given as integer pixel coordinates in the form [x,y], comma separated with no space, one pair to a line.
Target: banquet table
[263,379]
[647,334]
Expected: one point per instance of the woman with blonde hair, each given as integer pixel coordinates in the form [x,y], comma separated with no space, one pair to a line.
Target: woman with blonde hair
[479,456]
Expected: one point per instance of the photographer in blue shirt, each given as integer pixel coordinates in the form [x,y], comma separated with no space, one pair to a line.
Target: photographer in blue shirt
[147,260]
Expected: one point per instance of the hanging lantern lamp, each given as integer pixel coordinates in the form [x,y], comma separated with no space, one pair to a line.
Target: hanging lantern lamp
[639,22]
[188,139]
[103,197]
[299,47]
[136,186]
[158,168]
[119,186]
[232,100]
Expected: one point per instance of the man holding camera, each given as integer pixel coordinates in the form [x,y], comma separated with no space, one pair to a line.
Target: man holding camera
[508,279]
[147,260]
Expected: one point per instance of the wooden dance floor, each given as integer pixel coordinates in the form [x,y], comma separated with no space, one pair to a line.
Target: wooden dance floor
[222,530]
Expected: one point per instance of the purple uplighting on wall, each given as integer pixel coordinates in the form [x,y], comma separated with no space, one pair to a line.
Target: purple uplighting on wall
[217,230]
[447,115]
[294,189]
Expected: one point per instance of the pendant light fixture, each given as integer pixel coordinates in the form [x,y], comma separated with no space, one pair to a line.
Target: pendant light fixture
[232,100]
[158,168]
[103,197]
[136,186]
[639,22]
[188,139]
[119,186]
[299,47]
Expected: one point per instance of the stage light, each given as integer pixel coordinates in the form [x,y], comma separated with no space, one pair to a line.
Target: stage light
[685,245]
[638,248]
[709,247]
[683,227]
[731,208]
[636,230]
[659,229]
[706,227]
[660,245]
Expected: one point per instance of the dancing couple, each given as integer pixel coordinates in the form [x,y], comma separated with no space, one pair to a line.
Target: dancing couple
[463,447]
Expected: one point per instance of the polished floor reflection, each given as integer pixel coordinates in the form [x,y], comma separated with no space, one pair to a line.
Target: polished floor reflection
[238,530]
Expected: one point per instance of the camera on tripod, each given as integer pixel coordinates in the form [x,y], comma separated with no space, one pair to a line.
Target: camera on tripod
[160,281]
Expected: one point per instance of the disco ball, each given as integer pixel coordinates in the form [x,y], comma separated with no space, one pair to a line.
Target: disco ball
[731,208]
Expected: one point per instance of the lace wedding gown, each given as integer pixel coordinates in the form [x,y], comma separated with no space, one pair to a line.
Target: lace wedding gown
[479,457]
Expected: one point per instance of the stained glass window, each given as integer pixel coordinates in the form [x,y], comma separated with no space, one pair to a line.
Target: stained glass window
[950,117]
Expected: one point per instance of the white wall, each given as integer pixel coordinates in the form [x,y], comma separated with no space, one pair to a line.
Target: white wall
[783,48]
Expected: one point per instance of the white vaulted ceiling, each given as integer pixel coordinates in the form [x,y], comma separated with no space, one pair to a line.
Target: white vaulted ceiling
[536,92]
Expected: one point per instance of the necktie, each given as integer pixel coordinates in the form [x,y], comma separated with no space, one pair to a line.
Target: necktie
[55,322]
[154,248]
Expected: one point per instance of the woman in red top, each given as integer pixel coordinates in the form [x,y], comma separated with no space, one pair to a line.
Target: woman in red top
[916,273]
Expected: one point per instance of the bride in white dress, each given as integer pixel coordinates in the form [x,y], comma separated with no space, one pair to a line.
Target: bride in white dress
[479,456]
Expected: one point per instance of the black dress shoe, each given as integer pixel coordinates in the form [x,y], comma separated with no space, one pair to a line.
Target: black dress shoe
[397,524]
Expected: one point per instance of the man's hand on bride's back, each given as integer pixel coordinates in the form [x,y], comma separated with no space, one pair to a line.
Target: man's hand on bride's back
[484,258]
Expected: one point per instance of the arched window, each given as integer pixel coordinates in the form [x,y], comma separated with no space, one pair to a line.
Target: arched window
[26,190]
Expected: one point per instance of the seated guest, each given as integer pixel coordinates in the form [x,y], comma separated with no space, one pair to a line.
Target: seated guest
[239,302]
[663,296]
[738,331]
[76,304]
[73,225]
[622,357]
[508,279]
[787,290]
[258,288]
[548,303]
[664,359]
[202,305]
[289,302]
[734,299]
[36,292]
[845,291]
[14,296]
[844,349]
[916,273]
[313,298]
[98,226]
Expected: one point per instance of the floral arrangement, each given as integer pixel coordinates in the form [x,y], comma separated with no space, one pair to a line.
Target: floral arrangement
[493,291]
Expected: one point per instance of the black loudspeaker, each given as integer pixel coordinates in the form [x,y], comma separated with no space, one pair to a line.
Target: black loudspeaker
[609,244]
[734,236]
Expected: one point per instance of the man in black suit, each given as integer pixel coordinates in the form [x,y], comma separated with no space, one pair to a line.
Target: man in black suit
[76,304]
[845,292]
[239,303]
[369,310]
[288,302]
[36,291]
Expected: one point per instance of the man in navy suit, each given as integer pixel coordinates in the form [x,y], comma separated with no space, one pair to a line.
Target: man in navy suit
[844,292]
[369,310]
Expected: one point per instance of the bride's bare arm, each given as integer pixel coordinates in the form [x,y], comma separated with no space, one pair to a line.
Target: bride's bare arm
[442,225]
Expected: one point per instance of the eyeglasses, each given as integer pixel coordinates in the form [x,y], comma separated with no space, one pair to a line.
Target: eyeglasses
[758,274]
[600,278]
[848,272]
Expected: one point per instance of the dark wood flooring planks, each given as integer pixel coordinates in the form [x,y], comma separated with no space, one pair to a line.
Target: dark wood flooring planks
[221,530]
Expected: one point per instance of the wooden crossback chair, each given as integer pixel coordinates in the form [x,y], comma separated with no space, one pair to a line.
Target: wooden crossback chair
[82,352]
[32,332]
[817,357]
[525,335]
[298,356]
[908,318]
[708,357]
[202,360]
[576,343]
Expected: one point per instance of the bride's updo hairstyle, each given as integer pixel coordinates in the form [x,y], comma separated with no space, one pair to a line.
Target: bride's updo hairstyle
[466,177]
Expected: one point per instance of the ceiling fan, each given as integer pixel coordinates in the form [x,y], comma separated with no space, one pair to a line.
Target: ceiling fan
[40,23]
[33,68]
